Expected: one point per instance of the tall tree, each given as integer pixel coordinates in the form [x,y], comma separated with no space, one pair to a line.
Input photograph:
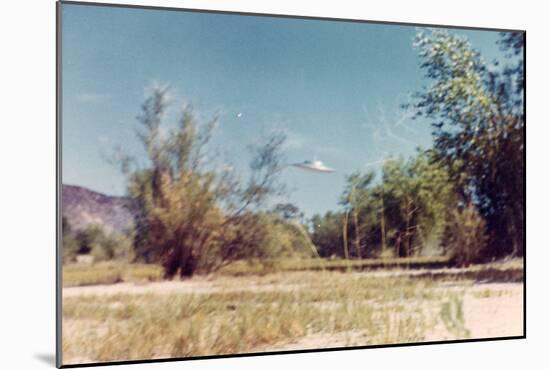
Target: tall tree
[478,127]
[354,199]
[417,195]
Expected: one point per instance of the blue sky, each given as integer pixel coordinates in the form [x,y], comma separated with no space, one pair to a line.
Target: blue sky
[335,88]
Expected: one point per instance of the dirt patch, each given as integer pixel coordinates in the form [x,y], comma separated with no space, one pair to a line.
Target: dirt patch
[499,314]
[490,310]
[319,341]
[294,280]
[192,286]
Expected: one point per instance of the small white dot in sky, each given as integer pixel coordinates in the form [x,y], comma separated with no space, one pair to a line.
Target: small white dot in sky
[239,115]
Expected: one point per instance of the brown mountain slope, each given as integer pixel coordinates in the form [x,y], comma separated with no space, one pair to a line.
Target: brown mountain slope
[83,207]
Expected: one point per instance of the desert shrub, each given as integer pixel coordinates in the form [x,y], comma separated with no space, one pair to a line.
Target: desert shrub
[96,242]
[88,237]
[112,246]
[289,239]
[103,250]
[465,236]
[192,217]
[264,237]
[70,248]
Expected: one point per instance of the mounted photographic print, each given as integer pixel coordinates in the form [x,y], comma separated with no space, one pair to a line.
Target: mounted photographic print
[235,184]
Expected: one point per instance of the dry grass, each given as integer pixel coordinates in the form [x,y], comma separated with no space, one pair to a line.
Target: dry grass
[109,273]
[114,272]
[221,314]
[256,267]
[124,326]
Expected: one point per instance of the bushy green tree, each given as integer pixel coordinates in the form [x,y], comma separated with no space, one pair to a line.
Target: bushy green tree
[478,126]
[355,200]
[288,238]
[417,195]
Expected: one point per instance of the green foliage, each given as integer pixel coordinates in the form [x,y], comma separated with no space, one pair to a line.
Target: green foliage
[70,249]
[356,202]
[94,241]
[465,236]
[478,158]
[478,121]
[89,238]
[417,195]
[191,216]
[70,244]
[112,247]
[289,239]
[397,217]
[326,234]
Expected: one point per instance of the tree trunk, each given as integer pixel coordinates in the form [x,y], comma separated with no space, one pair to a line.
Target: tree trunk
[345,236]
[357,241]
[383,226]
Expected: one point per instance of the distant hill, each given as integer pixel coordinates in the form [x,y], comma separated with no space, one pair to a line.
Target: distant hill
[83,207]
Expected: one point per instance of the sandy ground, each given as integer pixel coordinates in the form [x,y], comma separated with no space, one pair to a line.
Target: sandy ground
[194,286]
[484,317]
[497,316]
[490,309]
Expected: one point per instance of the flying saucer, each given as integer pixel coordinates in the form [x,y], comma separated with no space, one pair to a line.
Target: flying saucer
[314,166]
